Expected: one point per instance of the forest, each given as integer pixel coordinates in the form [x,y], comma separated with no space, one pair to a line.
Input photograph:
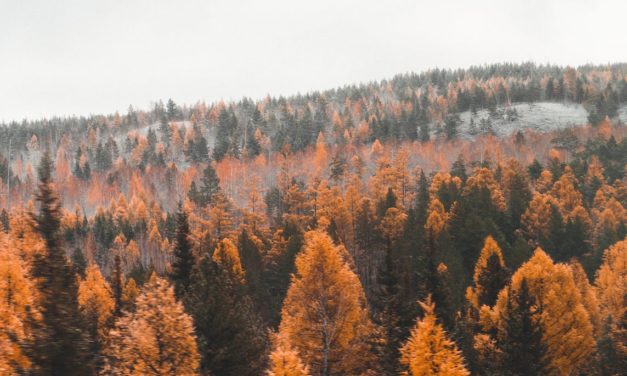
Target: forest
[353,231]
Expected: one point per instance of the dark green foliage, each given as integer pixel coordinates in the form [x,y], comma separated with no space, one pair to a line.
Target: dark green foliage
[521,337]
[84,172]
[251,247]
[519,197]
[104,159]
[492,279]
[227,136]
[197,150]
[209,189]
[78,262]
[394,314]
[184,259]
[459,168]
[277,272]
[611,359]
[534,169]
[164,128]
[117,285]
[231,337]
[60,345]
[451,124]
[173,111]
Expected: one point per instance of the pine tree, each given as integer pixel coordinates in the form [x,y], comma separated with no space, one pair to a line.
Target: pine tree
[566,329]
[231,338]
[324,317]
[117,284]
[490,276]
[184,261]
[59,345]
[210,186]
[520,336]
[157,339]
[429,351]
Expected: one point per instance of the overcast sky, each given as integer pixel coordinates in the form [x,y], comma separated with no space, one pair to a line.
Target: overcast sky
[84,57]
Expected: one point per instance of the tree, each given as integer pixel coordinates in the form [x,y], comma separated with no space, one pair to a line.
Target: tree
[611,281]
[566,329]
[611,287]
[520,337]
[96,304]
[117,282]
[429,351]
[17,303]
[286,363]
[184,260]
[231,337]
[59,344]
[157,339]
[490,276]
[324,317]
[210,185]
[227,256]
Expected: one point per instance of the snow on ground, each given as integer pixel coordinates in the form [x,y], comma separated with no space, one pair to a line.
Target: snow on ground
[541,116]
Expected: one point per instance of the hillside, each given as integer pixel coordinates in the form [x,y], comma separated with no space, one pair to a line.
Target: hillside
[342,232]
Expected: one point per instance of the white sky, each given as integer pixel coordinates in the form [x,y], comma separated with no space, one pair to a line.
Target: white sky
[79,57]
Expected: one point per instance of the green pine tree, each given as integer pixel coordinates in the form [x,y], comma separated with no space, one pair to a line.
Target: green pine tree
[184,261]
[59,345]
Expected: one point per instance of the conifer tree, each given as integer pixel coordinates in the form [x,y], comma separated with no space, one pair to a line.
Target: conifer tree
[184,261]
[157,339]
[117,285]
[429,351]
[97,306]
[231,337]
[59,344]
[566,329]
[324,317]
[286,363]
[490,276]
[210,185]
[520,337]
[17,304]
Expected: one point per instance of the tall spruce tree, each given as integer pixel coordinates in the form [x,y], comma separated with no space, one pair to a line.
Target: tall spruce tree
[231,337]
[59,345]
[520,338]
[184,261]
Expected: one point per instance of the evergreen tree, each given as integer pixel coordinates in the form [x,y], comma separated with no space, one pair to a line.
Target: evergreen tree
[490,276]
[520,337]
[59,344]
[231,338]
[459,168]
[184,261]
[423,127]
[173,110]
[117,285]
[210,185]
[164,128]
